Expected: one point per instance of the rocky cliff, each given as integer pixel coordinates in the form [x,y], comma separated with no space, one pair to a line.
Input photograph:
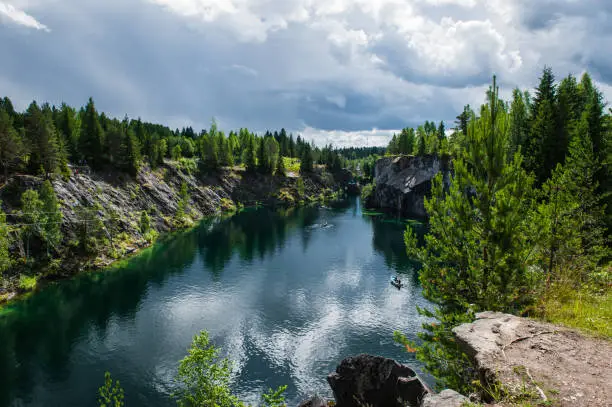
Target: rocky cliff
[530,362]
[402,182]
[114,203]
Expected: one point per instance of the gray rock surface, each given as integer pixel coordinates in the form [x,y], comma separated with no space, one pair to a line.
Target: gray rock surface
[547,361]
[446,398]
[375,381]
[402,182]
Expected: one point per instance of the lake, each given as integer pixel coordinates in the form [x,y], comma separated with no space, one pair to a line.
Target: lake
[286,294]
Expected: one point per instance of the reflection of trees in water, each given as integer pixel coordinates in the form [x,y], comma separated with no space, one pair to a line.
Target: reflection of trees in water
[387,239]
[40,332]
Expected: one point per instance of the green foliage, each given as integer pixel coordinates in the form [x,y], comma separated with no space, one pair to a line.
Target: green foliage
[51,216]
[91,139]
[145,222]
[110,395]
[280,167]
[90,229]
[301,189]
[275,398]
[5,259]
[31,208]
[42,139]
[203,377]
[306,162]
[27,283]
[367,190]
[476,251]
[475,254]
[177,152]
[11,146]
[180,217]
[292,164]
[587,308]
[250,154]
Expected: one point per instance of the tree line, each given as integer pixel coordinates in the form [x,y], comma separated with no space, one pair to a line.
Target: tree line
[45,139]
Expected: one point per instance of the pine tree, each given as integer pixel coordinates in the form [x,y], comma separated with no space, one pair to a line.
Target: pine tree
[91,138]
[306,164]
[5,259]
[42,139]
[476,251]
[11,147]
[519,121]
[541,148]
[130,156]
[250,155]
[441,132]
[421,144]
[393,147]
[292,151]
[280,167]
[272,148]
[262,159]
[210,152]
[571,219]
[51,216]
[114,141]
[67,125]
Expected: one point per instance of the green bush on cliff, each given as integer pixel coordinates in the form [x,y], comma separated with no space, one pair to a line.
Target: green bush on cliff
[367,191]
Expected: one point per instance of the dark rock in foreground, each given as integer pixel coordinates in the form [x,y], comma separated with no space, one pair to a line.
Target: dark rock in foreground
[375,381]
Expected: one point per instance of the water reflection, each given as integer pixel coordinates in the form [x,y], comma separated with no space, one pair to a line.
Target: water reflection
[285,300]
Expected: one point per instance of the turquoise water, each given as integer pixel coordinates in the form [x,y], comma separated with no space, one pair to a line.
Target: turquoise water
[285,294]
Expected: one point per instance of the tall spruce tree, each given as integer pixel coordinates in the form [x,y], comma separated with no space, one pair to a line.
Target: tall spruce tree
[306,163]
[519,121]
[542,151]
[571,218]
[11,146]
[42,140]
[250,154]
[91,138]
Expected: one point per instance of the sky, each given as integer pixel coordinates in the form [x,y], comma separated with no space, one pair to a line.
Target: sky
[347,72]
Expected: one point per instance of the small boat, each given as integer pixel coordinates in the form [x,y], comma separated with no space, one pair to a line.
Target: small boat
[396,282]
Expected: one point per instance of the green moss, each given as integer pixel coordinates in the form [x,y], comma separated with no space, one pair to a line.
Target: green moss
[227,205]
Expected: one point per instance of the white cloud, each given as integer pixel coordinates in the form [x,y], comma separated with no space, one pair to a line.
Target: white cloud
[329,68]
[8,11]
[339,138]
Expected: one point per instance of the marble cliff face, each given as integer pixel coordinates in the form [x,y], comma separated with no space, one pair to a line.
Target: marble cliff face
[402,182]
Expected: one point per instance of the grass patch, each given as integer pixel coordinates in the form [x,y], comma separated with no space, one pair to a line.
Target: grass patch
[292,164]
[579,308]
